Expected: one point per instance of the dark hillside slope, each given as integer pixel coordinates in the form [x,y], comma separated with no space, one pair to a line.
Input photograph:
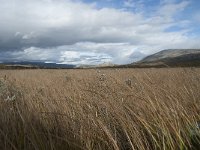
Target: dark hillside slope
[172,58]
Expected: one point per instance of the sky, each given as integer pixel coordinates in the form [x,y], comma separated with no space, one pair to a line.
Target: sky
[95,31]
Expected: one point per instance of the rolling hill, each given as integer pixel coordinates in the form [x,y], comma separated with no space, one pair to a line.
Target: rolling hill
[171,58]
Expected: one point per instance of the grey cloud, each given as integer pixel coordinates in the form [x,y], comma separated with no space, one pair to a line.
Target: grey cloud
[63,54]
[71,31]
[54,23]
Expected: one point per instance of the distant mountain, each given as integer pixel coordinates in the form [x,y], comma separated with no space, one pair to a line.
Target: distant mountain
[103,65]
[27,64]
[165,58]
[106,64]
[82,66]
[171,57]
[136,56]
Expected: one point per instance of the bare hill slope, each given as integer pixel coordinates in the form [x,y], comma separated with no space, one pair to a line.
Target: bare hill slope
[172,57]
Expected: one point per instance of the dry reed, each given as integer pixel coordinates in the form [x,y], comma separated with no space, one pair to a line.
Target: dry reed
[139,109]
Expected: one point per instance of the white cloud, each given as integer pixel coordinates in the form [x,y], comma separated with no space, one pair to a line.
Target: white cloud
[170,9]
[71,31]
[129,3]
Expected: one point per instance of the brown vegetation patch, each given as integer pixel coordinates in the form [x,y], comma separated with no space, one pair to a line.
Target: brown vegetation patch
[100,109]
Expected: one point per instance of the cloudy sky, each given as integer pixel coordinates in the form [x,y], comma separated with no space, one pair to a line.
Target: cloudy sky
[95,31]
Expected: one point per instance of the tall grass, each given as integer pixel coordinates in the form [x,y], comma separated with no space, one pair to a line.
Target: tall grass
[139,109]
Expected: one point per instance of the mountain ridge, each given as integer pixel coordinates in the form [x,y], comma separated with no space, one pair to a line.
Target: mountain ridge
[170,53]
[171,58]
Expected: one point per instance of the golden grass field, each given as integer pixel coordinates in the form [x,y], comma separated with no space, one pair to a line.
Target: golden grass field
[92,109]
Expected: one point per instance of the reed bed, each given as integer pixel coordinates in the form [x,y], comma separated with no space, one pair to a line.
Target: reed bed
[99,109]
